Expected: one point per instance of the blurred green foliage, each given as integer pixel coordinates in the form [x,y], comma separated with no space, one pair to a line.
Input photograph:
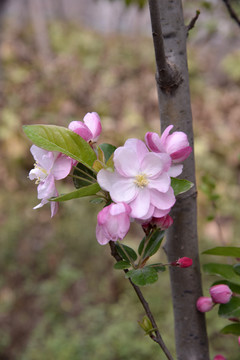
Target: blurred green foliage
[59,296]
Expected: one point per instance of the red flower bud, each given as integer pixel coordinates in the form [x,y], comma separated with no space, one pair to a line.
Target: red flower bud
[219,357]
[183,262]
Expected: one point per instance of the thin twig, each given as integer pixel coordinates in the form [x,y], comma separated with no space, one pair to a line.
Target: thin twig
[157,338]
[232,13]
[193,22]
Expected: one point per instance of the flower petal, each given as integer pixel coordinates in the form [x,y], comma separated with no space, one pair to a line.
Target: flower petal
[140,205]
[43,158]
[154,164]
[81,129]
[161,200]
[126,161]
[165,134]
[46,188]
[175,170]
[124,190]
[139,147]
[161,183]
[107,179]
[153,142]
[93,122]
[62,167]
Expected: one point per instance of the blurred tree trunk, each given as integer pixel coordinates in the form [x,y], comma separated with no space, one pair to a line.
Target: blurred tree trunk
[3,4]
[169,36]
[39,23]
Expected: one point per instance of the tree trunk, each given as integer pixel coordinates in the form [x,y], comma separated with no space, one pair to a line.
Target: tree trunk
[169,35]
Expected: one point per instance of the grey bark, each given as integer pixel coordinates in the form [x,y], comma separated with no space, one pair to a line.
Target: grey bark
[175,108]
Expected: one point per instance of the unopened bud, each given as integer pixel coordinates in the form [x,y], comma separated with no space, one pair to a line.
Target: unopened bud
[221,294]
[204,304]
[183,262]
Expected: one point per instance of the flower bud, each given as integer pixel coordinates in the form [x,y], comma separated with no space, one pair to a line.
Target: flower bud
[239,340]
[221,294]
[163,222]
[89,129]
[113,223]
[183,262]
[204,304]
[219,357]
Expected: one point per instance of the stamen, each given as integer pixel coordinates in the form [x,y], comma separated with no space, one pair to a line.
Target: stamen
[141,180]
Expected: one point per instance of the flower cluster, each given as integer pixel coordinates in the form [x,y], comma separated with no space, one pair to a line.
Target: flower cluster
[137,186]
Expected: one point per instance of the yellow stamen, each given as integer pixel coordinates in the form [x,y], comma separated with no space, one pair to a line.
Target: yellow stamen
[141,180]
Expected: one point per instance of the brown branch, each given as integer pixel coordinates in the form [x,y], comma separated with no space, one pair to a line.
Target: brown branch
[192,22]
[157,338]
[232,13]
[167,76]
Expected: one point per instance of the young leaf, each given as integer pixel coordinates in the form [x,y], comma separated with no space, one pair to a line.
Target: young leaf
[231,309]
[180,185]
[83,191]
[87,175]
[153,244]
[231,329]
[236,268]
[158,267]
[108,150]
[224,270]
[58,138]
[224,251]
[131,253]
[144,276]
[121,265]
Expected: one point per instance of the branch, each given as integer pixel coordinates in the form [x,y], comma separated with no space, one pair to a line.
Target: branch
[157,338]
[232,13]
[192,22]
[168,77]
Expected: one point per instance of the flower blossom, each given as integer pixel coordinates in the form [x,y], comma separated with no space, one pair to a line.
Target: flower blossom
[140,179]
[89,129]
[49,166]
[113,223]
[221,294]
[183,262]
[204,304]
[175,144]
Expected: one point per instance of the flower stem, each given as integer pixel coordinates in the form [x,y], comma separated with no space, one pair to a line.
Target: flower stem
[145,245]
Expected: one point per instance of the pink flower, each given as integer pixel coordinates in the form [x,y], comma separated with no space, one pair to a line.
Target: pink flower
[89,129]
[140,179]
[183,262]
[49,166]
[113,223]
[219,357]
[239,340]
[204,304]
[175,144]
[221,294]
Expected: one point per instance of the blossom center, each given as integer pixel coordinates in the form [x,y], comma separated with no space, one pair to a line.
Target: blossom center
[141,180]
[41,175]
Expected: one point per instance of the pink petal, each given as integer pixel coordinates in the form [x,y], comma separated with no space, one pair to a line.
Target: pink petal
[161,183]
[126,161]
[107,179]
[43,157]
[175,170]
[160,213]
[81,129]
[62,167]
[124,190]
[138,146]
[120,208]
[46,188]
[93,122]
[165,134]
[182,154]
[161,200]
[101,235]
[176,141]
[154,164]
[140,205]
[153,142]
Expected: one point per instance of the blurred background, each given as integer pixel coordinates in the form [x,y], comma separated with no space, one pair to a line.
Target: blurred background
[59,295]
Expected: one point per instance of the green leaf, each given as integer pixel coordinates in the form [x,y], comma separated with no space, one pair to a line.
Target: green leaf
[180,185]
[224,251]
[231,329]
[144,276]
[234,287]
[121,265]
[84,191]
[226,271]
[158,267]
[236,268]
[82,171]
[58,138]
[131,253]
[231,309]
[108,150]
[153,244]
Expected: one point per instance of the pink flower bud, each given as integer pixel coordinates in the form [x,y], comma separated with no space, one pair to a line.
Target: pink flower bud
[204,304]
[220,294]
[113,223]
[162,222]
[239,340]
[89,129]
[219,357]
[183,262]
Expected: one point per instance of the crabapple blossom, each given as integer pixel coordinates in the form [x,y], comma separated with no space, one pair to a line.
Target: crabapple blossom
[163,222]
[204,304]
[140,179]
[175,144]
[89,129]
[183,262]
[221,294]
[113,223]
[49,166]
